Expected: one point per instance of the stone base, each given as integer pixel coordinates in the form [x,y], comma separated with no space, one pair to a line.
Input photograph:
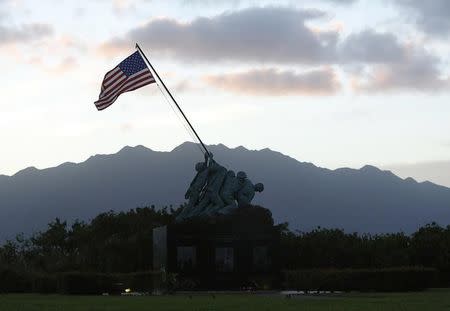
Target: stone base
[229,252]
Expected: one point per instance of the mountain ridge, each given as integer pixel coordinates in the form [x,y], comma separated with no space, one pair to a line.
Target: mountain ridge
[187,143]
[365,200]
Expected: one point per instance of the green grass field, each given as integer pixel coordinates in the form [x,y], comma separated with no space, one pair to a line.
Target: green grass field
[432,300]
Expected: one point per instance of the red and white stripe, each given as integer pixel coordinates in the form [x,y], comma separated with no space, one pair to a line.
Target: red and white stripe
[116,83]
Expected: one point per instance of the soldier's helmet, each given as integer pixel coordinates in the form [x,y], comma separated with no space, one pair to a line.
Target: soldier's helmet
[231,173]
[200,166]
[259,187]
[241,175]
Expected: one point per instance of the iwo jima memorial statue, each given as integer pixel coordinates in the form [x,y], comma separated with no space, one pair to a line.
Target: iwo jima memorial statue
[218,240]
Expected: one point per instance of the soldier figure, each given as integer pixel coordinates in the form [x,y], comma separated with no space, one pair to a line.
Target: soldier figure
[211,200]
[195,188]
[246,191]
[229,188]
[228,192]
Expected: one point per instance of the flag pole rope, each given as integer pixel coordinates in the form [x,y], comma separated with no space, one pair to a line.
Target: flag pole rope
[173,99]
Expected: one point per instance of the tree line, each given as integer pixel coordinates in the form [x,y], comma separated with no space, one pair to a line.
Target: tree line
[121,242]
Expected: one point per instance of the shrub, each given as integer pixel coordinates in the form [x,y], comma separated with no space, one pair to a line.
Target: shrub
[187,284]
[140,281]
[14,281]
[386,280]
[79,283]
[44,283]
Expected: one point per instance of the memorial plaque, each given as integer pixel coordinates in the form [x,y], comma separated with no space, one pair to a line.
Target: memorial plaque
[186,258]
[224,259]
[261,259]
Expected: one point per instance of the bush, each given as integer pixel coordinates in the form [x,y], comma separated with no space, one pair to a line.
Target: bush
[14,281]
[188,284]
[44,284]
[384,280]
[140,281]
[79,283]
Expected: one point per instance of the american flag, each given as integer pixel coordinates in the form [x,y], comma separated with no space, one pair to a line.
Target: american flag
[131,74]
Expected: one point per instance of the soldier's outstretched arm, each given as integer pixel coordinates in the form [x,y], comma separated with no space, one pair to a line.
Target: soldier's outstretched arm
[210,158]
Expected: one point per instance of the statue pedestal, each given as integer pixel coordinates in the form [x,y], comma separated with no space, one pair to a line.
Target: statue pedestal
[229,252]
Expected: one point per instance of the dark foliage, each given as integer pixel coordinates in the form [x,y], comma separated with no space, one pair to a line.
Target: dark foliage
[111,242]
[324,248]
[14,281]
[78,283]
[116,246]
[385,280]
[44,283]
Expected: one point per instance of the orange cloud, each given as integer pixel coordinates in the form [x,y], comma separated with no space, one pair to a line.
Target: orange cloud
[273,82]
[114,47]
[417,71]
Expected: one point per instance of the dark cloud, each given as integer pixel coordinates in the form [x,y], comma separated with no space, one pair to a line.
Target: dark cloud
[418,71]
[256,34]
[23,33]
[275,82]
[371,47]
[432,16]
[389,64]
[281,36]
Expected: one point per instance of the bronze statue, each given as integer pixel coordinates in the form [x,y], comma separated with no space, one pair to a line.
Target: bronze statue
[216,190]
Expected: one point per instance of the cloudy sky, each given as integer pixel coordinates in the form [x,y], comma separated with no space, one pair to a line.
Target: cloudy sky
[333,82]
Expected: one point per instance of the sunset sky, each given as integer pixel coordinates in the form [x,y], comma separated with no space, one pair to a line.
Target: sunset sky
[335,83]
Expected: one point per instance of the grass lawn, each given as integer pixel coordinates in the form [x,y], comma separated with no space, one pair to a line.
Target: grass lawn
[432,300]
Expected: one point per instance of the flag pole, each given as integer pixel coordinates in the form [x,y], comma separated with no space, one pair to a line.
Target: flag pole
[173,99]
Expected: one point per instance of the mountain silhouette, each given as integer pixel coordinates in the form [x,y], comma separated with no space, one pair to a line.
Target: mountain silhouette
[437,171]
[306,196]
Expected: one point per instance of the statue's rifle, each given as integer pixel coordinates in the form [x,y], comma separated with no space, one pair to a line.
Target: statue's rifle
[173,99]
